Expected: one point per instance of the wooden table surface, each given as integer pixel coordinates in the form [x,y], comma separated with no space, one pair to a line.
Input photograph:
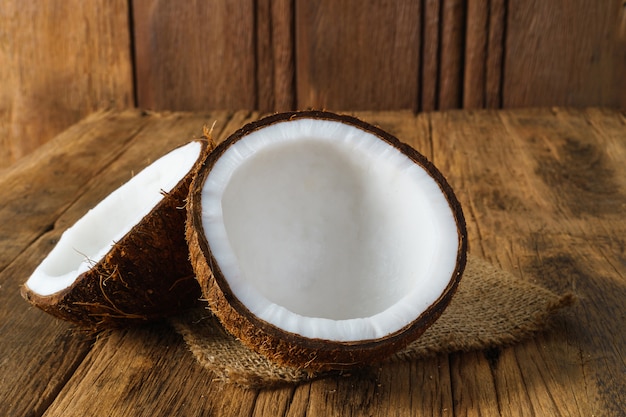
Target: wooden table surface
[544,194]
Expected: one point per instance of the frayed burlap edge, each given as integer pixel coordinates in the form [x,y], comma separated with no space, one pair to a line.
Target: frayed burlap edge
[491,308]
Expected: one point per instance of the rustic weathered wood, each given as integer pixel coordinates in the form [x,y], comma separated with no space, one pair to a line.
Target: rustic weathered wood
[495,54]
[275,55]
[451,54]
[476,52]
[544,193]
[353,57]
[426,55]
[429,75]
[283,41]
[484,43]
[548,202]
[196,56]
[126,368]
[64,61]
[60,61]
[565,53]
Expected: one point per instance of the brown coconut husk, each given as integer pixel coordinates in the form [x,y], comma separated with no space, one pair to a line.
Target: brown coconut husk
[145,276]
[284,348]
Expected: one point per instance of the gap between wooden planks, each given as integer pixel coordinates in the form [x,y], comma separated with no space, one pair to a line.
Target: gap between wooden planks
[544,195]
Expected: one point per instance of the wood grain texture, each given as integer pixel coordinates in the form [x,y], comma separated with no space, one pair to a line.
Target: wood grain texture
[565,53]
[451,54]
[430,50]
[275,55]
[358,58]
[543,192]
[553,184]
[61,61]
[196,56]
[476,50]
[64,60]
[484,49]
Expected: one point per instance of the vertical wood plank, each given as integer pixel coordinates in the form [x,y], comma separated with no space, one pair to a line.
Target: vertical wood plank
[566,53]
[451,58]
[495,54]
[195,55]
[476,36]
[275,55]
[283,34]
[353,57]
[430,55]
[484,46]
[264,56]
[60,61]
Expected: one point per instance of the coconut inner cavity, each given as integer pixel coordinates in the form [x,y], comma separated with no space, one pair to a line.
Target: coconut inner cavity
[327,231]
[86,242]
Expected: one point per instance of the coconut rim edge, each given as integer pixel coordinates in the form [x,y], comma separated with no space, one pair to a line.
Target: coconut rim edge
[292,348]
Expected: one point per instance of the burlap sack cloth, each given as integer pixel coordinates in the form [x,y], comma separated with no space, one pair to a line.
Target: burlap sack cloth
[491,308]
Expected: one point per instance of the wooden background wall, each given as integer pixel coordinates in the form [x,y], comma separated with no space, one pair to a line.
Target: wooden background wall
[62,59]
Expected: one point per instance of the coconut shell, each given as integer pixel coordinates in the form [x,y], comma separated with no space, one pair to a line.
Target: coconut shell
[145,276]
[287,348]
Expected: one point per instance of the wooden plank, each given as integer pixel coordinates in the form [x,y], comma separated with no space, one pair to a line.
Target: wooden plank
[544,194]
[264,56]
[359,58]
[476,35]
[495,54]
[484,49]
[565,53]
[60,62]
[38,352]
[283,32]
[451,54]
[199,56]
[275,55]
[473,387]
[127,367]
[430,55]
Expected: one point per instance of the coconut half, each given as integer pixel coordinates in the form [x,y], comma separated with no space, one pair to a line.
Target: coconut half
[126,260]
[323,242]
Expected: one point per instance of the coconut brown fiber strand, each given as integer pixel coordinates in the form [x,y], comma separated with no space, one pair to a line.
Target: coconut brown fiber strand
[289,349]
[146,275]
[491,310]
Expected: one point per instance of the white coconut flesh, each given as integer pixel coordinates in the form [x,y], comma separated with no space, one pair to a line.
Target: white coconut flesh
[324,230]
[87,241]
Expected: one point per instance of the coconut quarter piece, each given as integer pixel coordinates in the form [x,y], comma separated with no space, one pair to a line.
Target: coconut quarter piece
[323,242]
[126,260]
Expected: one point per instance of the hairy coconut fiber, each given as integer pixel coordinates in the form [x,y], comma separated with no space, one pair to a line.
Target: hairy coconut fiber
[491,309]
[291,349]
[146,275]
